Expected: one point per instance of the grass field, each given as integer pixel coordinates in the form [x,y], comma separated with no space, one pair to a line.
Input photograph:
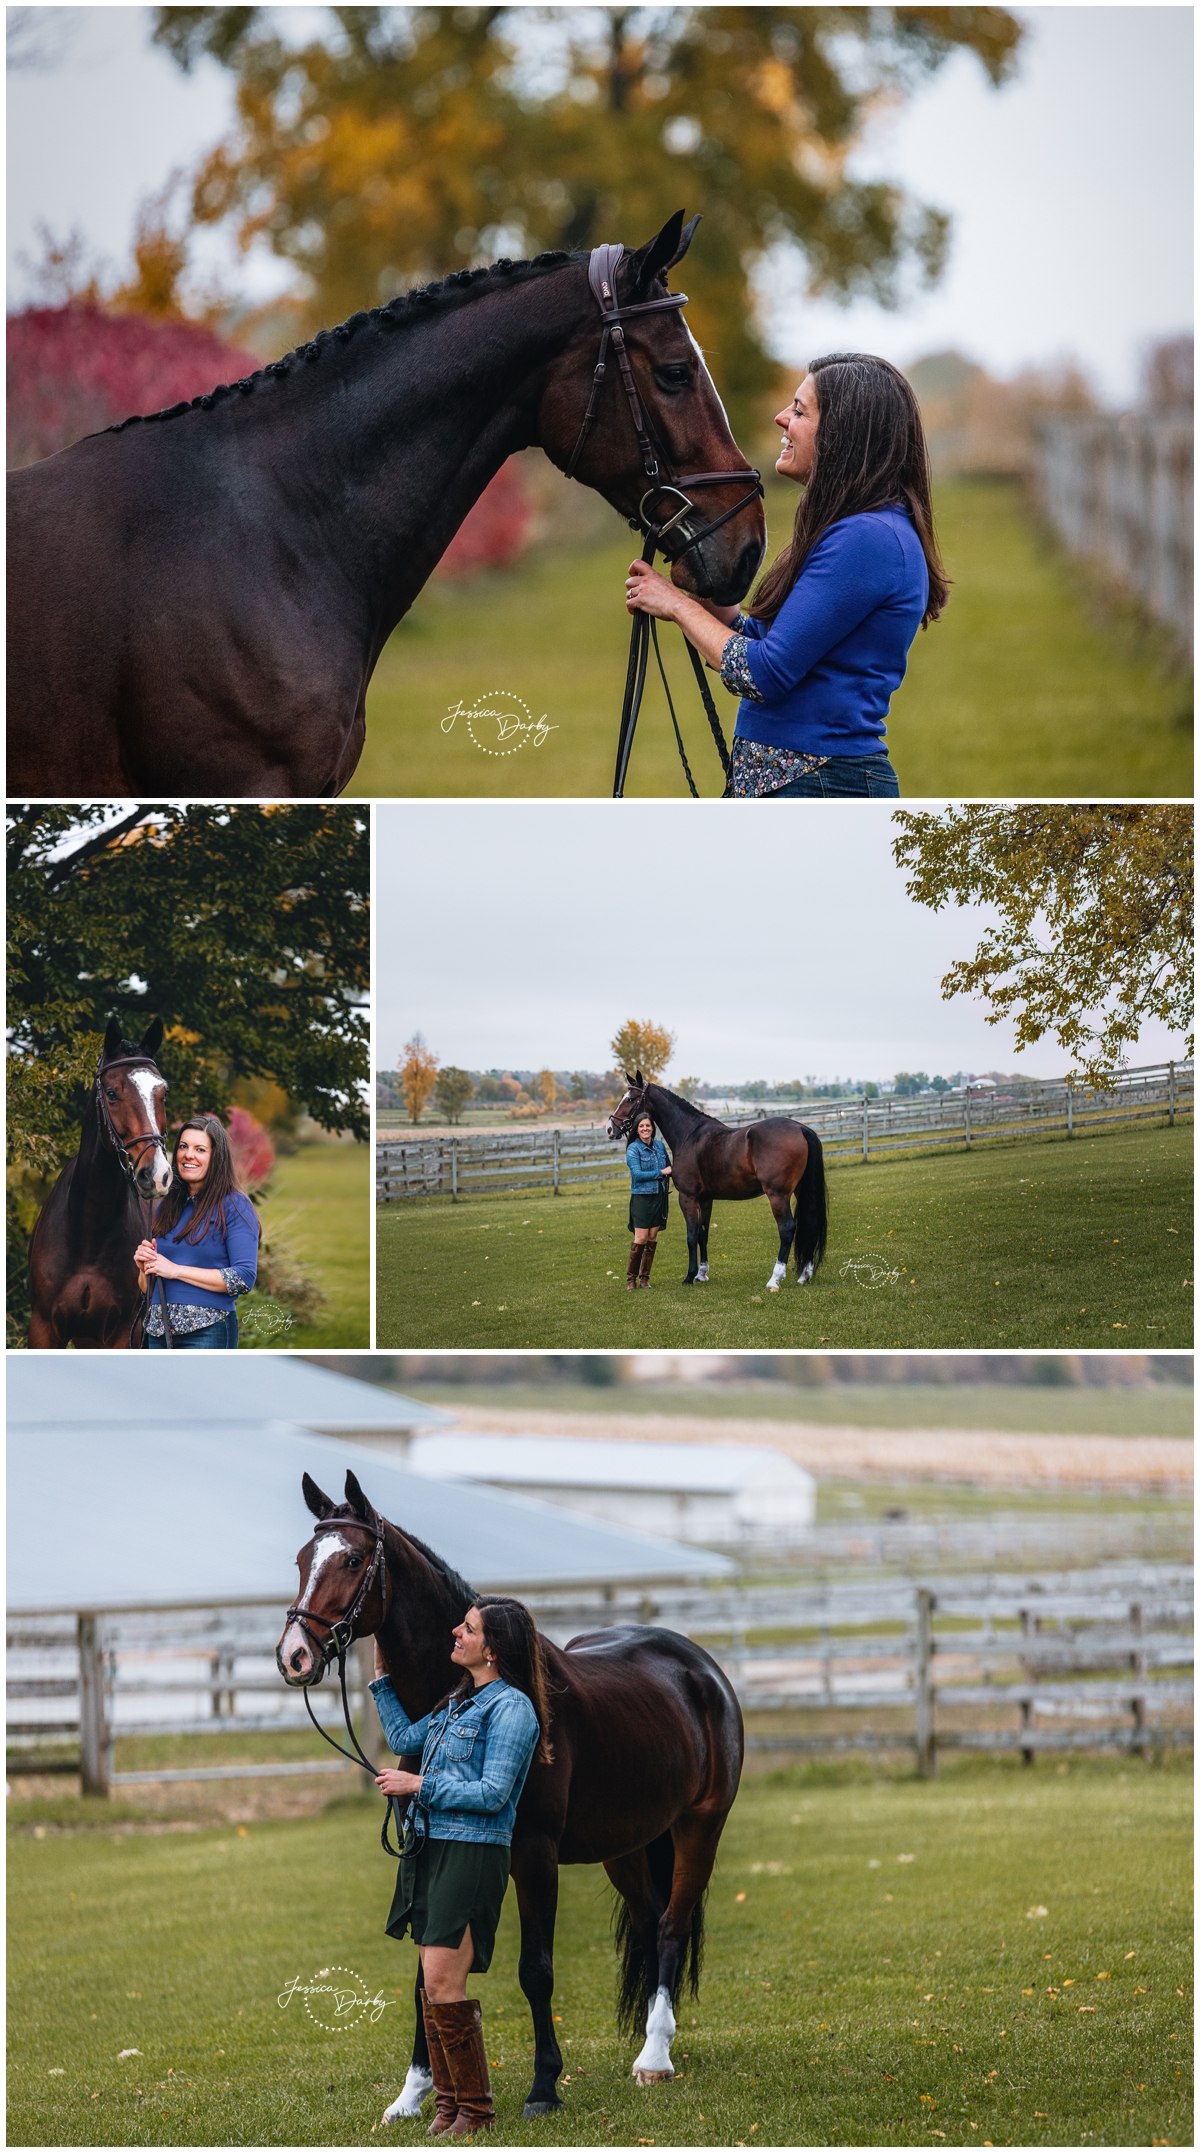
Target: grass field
[1043,1244]
[1019,691]
[873,1976]
[320,1206]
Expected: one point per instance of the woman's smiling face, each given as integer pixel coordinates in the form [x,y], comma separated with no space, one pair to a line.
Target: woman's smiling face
[645,1130]
[799,423]
[194,1156]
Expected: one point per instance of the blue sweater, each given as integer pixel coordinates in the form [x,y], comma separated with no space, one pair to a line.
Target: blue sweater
[234,1251]
[829,663]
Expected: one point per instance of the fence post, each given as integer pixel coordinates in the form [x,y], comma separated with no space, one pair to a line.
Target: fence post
[967,1115]
[454,1169]
[556,1139]
[926,1739]
[1170,1095]
[1070,1108]
[866,1117]
[93,1736]
[1029,1628]
[1137,1661]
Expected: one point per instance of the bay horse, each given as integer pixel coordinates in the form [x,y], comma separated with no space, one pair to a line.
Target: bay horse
[83,1281]
[648,1744]
[198,599]
[776,1158]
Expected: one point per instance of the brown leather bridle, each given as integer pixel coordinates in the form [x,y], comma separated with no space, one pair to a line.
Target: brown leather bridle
[128,1149]
[335,1647]
[602,276]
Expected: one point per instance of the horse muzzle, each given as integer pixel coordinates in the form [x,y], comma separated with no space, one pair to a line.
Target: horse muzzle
[301,1666]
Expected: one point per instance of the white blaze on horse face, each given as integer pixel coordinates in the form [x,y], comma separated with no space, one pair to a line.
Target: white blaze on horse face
[416,2088]
[655,2059]
[146,1084]
[777,1277]
[293,1638]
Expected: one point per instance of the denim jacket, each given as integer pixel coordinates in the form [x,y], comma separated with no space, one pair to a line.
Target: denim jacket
[475,1753]
[645,1163]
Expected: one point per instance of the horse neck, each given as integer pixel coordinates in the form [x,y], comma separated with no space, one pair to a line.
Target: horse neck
[415,1639]
[385,445]
[672,1119]
[99,1192]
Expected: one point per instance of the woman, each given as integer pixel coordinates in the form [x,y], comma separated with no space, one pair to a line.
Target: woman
[476,1749]
[649,1172]
[818,656]
[205,1245]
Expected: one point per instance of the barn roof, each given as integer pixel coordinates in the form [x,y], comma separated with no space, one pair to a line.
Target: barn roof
[182,1511]
[127,1387]
[585,1462]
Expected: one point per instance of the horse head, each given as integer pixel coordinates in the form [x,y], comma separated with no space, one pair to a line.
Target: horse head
[624,1118]
[343,1584]
[131,1100]
[648,429]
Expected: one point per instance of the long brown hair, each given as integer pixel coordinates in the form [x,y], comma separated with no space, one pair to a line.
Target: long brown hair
[511,1637]
[219,1182]
[870,452]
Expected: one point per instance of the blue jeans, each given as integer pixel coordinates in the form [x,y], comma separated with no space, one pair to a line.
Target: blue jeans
[845,777]
[214,1338]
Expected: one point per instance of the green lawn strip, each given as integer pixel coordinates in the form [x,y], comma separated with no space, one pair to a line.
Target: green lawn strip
[1019,690]
[1036,1407]
[1042,1244]
[320,1206]
[841,2003]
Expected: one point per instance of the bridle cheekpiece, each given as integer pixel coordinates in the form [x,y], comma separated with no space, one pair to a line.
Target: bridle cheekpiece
[126,1147]
[341,1629]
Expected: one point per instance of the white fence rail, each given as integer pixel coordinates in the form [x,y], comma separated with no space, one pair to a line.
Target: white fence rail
[462,1166]
[1120,494]
[1050,1660]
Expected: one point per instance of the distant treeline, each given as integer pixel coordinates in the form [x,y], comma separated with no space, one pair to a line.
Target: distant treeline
[500,1087]
[1103,1371]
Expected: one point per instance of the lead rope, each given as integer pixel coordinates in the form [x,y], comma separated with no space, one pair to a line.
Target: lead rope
[364,1763]
[644,632]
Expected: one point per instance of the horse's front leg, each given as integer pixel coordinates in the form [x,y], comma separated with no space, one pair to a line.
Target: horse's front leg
[691,1213]
[780,1201]
[706,1204]
[419,2083]
[535,1874]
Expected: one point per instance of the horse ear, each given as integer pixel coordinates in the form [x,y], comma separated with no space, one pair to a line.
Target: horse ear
[628,1079]
[358,1501]
[152,1038]
[656,256]
[685,240]
[112,1038]
[641,1080]
[316,1498]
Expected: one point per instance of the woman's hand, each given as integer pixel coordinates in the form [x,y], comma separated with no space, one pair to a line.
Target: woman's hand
[381,1666]
[665,1171]
[153,1264]
[648,592]
[398,1782]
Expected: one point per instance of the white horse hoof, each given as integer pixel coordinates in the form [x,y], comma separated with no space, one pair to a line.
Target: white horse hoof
[416,2088]
[653,2078]
[771,1286]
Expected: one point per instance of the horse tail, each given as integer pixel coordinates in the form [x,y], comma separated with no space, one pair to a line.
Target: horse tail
[812,1207]
[637,1980]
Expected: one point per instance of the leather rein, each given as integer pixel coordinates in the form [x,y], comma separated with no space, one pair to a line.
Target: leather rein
[129,1150]
[335,1647]
[602,272]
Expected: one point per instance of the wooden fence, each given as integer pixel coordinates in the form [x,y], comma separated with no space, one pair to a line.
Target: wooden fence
[1053,1660]
[528,1159]
[1120,493]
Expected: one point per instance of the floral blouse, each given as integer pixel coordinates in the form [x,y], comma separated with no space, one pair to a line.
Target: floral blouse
[755,769]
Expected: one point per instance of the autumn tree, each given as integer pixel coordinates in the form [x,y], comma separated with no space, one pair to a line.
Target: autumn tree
[1095,905]
[545,1088]
[418,1076]
[407,142]
[454,1090]
[647,1047]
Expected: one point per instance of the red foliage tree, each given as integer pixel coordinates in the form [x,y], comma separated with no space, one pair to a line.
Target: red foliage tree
[253,1151]
[495,530]
[75,369]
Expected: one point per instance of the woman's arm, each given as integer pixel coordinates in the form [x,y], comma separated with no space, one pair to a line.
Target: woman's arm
[404,1737]
[648,592]
[151,1264]
[241,1242]
[509,1742]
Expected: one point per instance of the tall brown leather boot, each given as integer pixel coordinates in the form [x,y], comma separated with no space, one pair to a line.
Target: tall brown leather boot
[443,2082]
[460,2026]
[635,1257]
[648,1248]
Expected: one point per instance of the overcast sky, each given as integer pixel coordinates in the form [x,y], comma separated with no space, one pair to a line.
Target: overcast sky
[1070,189]
[775,942]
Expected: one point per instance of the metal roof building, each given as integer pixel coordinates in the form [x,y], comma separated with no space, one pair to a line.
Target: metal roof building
[252,1386]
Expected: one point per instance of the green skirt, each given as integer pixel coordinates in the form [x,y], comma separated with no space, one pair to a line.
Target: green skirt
[446,1885]
[649,1210]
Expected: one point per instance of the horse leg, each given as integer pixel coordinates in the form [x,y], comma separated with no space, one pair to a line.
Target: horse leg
[644,1881]
[680,1939]
[706,1204]
[535,1874]
[42,1331]
[691,1212]
[780,1201]
[419,2083]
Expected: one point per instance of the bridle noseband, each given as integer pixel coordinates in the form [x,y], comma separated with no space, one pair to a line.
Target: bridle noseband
[335,1647]
[602,277]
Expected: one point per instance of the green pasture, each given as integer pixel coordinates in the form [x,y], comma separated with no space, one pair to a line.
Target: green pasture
[1021,690]
[1040,1244]
[319,1207]
[876,1974]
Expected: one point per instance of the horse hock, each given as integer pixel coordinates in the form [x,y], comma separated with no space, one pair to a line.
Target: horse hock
[654,2063]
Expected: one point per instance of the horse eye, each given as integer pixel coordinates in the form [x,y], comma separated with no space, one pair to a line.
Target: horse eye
[673,377]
